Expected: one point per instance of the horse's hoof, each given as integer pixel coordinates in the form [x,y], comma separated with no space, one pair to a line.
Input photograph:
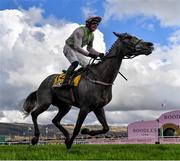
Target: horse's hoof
[85,131]
[68,144]
[67,140]
[34,140]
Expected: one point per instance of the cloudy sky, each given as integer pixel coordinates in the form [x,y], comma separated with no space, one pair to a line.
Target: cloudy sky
[32,36]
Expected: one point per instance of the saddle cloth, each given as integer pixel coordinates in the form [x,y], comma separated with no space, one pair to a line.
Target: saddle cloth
[60,78]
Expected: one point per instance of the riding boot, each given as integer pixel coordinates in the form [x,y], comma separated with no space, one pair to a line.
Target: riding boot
[69,73]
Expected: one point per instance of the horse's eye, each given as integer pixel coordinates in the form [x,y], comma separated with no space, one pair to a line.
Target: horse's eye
[134,40]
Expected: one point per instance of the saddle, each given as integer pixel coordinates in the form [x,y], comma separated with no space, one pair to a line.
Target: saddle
[73,82]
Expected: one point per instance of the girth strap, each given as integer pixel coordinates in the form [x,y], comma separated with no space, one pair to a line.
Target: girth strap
[72,95]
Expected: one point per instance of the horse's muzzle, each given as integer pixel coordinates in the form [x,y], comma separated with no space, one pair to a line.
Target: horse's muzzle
[149,48]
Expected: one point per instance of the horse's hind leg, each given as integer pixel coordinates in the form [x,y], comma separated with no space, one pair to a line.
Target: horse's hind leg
[34,115]
[63,110]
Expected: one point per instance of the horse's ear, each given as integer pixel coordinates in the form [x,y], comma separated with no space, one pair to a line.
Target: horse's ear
[117,34]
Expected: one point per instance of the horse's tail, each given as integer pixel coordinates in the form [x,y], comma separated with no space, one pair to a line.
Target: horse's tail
[29,103]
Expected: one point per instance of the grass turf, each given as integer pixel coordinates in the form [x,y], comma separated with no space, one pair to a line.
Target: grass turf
[90,152]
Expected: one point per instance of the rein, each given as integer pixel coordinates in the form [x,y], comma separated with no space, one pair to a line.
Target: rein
[100,82]
[112,56]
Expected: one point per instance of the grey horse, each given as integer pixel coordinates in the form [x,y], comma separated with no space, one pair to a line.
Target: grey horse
[92,94]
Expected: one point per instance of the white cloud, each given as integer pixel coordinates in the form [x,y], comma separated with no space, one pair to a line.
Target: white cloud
[113,117]
[11,116]
[166,11]
[88,9]
[175,38]
[126,117]
[33,15]
[150,27]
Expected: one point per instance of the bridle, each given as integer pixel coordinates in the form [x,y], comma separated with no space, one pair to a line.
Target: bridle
[128,56]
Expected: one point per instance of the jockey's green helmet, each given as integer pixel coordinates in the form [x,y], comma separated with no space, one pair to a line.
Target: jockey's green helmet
[93,20]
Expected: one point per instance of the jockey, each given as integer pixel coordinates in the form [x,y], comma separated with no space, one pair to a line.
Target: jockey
[73,49]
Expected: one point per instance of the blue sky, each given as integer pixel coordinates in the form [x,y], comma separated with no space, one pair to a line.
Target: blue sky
[71,10]
[32,37]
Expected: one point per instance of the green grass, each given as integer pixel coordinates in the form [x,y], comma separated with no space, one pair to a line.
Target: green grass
[90,152]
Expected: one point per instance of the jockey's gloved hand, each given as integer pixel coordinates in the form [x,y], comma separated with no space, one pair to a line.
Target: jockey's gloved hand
[101,55]
[92,56]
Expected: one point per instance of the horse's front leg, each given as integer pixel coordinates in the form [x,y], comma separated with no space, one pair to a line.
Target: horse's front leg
[81,117]
[102,119]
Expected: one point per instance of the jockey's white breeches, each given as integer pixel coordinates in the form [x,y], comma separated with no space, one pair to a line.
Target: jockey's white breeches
[73,55]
